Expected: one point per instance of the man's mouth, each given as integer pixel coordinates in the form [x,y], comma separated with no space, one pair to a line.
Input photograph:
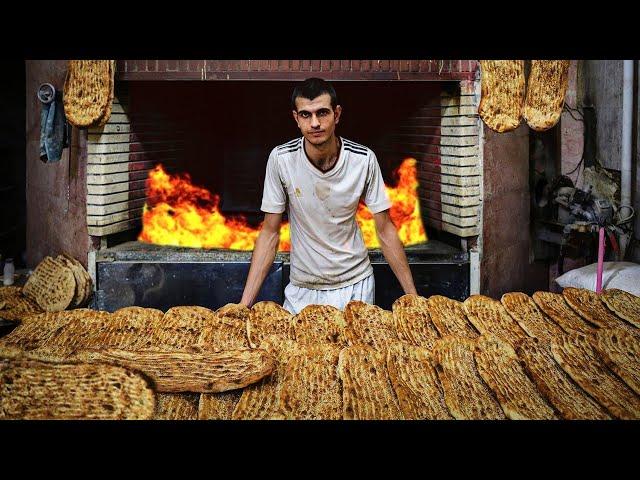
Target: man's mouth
[316,134]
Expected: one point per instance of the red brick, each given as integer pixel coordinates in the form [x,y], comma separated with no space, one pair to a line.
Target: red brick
[394,65]
[273,65]
[414,66]
[306,65]
[384,65]
[423,65]
[335,65]
[375,65]
[316,65]
[183,65]
[283,65]
[213,65]
[345,65]
[325,65]
[295,65]
[171,65]
[355,65]
[244,65]
[404,65]
[152,65]
[365,65]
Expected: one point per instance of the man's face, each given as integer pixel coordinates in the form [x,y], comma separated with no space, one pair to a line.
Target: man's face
[316,119]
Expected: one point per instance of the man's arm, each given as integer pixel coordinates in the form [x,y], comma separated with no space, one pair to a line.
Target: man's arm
[263,256]
[393,250]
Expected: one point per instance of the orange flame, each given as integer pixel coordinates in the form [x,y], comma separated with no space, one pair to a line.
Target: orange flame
[183,214]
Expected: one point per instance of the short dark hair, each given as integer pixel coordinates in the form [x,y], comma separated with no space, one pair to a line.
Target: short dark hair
[312,88]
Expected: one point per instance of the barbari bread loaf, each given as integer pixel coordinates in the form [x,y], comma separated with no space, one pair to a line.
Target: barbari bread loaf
[503,94]
[546,88]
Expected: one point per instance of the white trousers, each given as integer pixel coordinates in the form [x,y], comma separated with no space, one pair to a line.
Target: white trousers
[296,298]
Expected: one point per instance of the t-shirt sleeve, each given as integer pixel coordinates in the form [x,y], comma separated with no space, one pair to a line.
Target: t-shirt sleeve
[376,197]
[274,197]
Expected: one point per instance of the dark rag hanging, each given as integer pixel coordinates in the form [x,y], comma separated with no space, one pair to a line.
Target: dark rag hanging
[53,131]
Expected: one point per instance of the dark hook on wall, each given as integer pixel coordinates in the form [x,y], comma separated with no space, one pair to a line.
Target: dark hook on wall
[47,92]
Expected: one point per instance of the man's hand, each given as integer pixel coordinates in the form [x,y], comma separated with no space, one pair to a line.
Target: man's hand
[393,250]
[263,256]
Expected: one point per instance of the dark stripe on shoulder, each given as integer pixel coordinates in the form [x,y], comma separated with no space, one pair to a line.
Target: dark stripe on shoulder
[357,146]
[359,152]
[292,149]
[292,143]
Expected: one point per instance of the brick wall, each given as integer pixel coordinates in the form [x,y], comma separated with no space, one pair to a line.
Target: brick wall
[295,69]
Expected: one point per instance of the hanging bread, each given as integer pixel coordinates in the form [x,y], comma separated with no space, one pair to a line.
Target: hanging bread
[503,93]
[88,92]
[546,89]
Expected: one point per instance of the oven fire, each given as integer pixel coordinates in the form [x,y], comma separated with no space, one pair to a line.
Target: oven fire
[183,214]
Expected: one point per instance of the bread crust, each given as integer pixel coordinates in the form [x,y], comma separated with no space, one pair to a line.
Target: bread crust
[546,88]
[556,386]
[575,354]
[502,94]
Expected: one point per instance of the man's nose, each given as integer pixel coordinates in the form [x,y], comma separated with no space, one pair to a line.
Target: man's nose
[315,122]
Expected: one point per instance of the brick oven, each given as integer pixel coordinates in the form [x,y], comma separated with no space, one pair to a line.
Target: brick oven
[218,120]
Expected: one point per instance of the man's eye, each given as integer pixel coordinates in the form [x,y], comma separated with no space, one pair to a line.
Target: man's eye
[305,114]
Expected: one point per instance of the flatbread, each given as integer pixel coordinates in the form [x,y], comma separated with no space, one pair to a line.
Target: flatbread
[503,94]
[369,325]
[228,331]
[556,308]
[176,406]
[623,304]
[319,324]
[621,352]
[261,401]
[525,311]
[499,367]
[367,393]
[450,318]
[489,317]
[39,390]
[218,406]
[466,395]
[310,388]
[556,386]
[546,88]
[579,359]
[267,319]
[413,322]
[590,307]
[415,383]
[179,371]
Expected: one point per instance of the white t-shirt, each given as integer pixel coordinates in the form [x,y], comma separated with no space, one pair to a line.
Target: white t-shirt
[327,248]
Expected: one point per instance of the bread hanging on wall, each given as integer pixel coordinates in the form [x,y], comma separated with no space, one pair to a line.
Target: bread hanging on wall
[503,94]
[88,92]
[546,89]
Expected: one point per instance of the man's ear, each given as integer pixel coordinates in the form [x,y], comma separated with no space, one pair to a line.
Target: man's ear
[337,113]
[295,117]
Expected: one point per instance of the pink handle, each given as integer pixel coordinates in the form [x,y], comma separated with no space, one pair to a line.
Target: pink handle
[600,261]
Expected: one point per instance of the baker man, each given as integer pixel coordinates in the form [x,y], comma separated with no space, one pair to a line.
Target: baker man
[320,177]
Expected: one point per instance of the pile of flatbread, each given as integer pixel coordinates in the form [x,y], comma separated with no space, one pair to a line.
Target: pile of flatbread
[56,284]
[549,356]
